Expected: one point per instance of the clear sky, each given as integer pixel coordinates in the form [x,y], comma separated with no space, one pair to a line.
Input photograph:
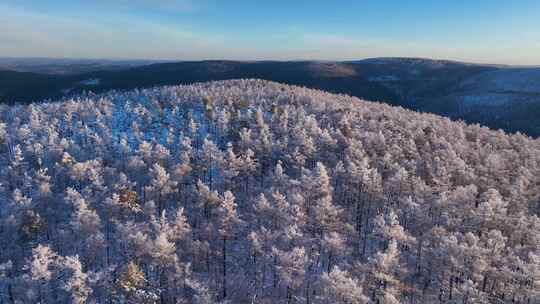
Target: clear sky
[494,31]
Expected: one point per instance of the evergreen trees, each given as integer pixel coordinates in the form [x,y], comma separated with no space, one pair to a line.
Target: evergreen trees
[248,191]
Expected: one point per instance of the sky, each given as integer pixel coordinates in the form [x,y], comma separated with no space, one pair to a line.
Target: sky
[486,31]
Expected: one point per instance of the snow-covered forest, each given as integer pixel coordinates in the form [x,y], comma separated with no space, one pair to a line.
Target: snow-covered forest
[248,191]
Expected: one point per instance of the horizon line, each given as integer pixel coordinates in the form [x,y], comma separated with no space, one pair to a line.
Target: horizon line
[118,59]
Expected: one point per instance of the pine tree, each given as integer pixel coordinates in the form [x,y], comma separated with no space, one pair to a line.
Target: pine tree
[132,286]
[41,268]
[161,186]
[228,223]
[76,282]
[340,287]
[384,277]
[291,268]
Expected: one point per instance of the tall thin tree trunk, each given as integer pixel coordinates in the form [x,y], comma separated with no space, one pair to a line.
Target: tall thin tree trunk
[224,261]
[364,244]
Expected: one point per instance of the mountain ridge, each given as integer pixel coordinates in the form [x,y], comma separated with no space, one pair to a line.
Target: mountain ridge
[493,95]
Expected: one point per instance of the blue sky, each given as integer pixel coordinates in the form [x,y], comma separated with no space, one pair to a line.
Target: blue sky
[493,31]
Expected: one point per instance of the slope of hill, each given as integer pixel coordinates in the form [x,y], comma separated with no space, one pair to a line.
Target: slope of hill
[498,96]
[335,77]
[178,194]
[415,78]
[27,86]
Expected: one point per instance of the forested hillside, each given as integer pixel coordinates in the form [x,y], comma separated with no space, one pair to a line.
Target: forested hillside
[500,97]
[249,191]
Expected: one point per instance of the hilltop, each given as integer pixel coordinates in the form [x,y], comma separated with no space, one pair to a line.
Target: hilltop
[498,96]
[178,193]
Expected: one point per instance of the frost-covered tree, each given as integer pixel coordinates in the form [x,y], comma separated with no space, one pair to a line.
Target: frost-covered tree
[161,186]
[41,269]
[340,287]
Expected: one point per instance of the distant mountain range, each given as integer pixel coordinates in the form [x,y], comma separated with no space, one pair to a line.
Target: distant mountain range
[497,96]
[55,66]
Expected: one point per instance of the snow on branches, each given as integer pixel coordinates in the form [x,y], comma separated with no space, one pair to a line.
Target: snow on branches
[248,191]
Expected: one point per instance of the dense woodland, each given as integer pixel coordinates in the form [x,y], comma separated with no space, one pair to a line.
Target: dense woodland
[249,191]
